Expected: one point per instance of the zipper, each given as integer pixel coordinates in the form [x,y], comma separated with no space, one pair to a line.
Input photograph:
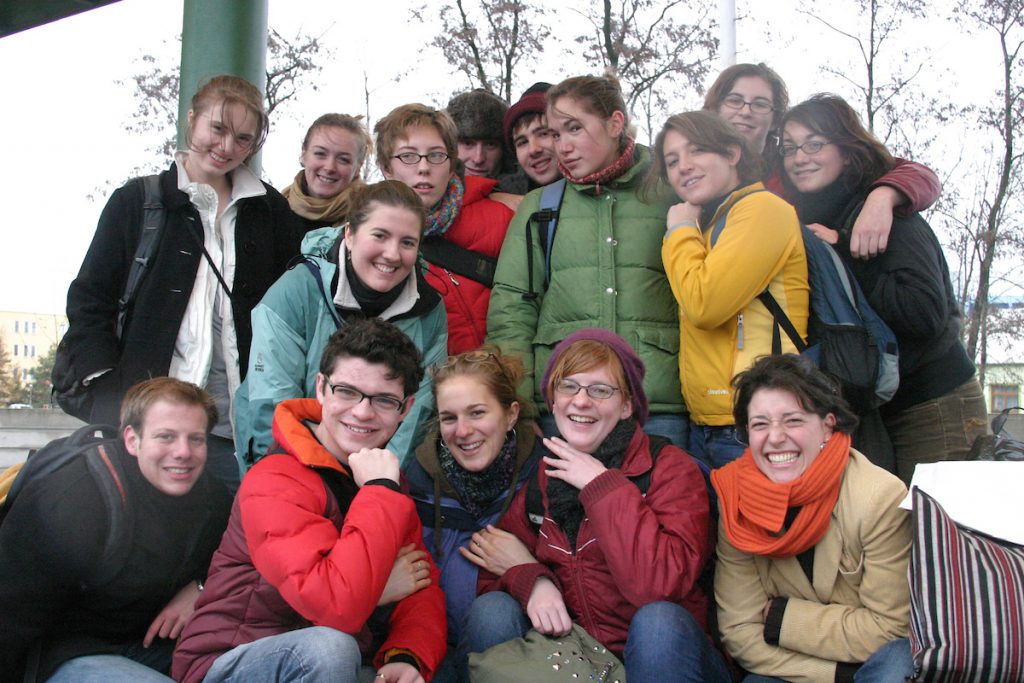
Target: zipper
[739,331]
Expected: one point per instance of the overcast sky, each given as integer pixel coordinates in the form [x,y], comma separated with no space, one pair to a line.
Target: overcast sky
[61,125]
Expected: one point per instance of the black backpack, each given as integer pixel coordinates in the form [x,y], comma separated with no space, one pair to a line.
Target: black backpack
[95,443]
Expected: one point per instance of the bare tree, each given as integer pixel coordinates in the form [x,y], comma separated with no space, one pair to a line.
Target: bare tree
[292,67]
[489,41]
[886,82]
[654,47]
[985,226]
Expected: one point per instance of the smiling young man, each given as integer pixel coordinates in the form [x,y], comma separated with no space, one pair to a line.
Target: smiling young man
[62,621]
[316,572]
[526,131]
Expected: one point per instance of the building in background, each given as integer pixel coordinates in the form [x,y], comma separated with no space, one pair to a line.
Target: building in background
[27,337]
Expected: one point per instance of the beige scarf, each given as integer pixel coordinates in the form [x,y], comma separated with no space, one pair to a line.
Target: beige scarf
[333,210]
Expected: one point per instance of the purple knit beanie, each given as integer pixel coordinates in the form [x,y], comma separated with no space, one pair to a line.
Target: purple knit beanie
[632,366]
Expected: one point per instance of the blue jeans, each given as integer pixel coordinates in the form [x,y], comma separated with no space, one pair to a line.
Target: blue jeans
[665,643]
[307,655]
[891,663]
[714,446]
[675,428]
[134,663]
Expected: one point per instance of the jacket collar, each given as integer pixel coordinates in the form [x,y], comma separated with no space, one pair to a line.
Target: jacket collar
[294,435]
[731,200]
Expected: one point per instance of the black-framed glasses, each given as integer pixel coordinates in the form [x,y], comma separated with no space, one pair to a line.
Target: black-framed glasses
[810,148]
[568,387]
[380,402]
[758,105]
[412,158]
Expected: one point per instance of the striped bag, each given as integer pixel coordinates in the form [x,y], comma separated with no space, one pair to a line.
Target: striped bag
[966,601]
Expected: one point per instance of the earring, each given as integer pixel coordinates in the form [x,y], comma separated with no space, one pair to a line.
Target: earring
[822,446]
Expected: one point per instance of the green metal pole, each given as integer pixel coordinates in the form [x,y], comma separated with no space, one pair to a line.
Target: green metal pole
[221,37]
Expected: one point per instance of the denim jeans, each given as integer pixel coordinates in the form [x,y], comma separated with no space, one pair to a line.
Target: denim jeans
[891,663]
[714,446]
[675,428]
[665,643]
[941,429]
[307,655]
[133,663]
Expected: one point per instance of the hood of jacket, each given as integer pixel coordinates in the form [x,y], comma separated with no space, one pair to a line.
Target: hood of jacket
[294,421]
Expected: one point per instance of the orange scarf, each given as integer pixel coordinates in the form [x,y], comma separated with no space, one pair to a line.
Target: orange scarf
[753,508]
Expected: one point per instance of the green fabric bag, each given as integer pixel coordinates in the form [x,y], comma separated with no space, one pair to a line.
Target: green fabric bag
[542,659]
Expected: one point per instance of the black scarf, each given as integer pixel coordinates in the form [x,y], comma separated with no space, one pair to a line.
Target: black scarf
[478,490]
[371,302]
[827,206]
[564,504]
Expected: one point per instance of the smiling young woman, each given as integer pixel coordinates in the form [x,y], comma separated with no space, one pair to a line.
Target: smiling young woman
[464,478]
[333,153]
[728,241]
[190,317]
[619,562]
[364,269]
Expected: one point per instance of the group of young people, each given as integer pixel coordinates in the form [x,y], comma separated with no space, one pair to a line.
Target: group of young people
[539,424]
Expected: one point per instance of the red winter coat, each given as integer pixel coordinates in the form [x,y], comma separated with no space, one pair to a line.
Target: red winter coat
[282,564]
[481,227]
[631,550]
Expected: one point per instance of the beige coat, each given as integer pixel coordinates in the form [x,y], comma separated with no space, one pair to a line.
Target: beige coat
[860,598]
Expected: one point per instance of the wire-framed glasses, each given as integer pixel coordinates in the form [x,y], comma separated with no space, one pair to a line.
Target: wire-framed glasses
[568,387]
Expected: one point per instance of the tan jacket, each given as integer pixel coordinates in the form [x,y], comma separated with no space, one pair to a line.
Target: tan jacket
[860,599]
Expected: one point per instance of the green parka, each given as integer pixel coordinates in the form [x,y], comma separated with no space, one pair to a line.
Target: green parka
[606,271]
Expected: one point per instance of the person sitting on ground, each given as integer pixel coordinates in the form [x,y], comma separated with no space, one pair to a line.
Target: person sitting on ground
[465,224]
[621,562]
[811,581]
[59,618]
[333,153]
[315,571]
[465,476]
[365,269]
[526,131]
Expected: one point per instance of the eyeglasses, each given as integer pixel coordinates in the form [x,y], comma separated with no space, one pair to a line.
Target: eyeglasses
[810,148]
[379,402]
[412,158]
[568,387]
[758,105]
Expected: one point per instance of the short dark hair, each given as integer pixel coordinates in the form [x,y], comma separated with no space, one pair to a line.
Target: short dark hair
[380,342]
[832,117]
[141,397]
[815,391]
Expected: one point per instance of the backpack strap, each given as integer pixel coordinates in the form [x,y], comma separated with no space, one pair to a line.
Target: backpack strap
[153,218]
[781,320]
[106,476]
[459,260]
[535,502]
[314,270]
[546,219]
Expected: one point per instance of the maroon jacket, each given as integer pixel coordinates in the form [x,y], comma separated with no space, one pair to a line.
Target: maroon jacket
[480,227]
[631,549]
[292,557]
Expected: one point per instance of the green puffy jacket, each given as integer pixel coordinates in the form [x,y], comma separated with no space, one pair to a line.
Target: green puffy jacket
[606,271]
[291,326]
